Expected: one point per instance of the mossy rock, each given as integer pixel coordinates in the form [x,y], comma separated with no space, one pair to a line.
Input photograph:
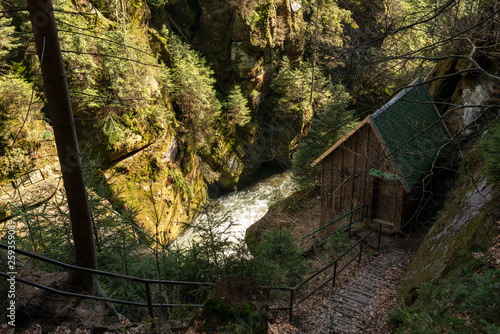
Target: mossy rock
[465,225]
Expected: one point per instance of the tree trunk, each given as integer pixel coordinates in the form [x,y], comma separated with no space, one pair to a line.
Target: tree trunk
[61,115]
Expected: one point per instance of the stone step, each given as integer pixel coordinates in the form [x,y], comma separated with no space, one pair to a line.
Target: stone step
[350,316]
[337,318]
[364,284]
[349,292]
[356,297]
[361,292]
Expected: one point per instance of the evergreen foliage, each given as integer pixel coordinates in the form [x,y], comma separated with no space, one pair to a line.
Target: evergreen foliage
[491,152]
[322,106]
[292,86]
[237,111]
[114,77]
[327,22]
[213,256]
[337,244]
[331,121]
[464,303]
[22,126]
[123,96]
[194,94]
[278,260]
[8,41]
[113,130]
[221,316]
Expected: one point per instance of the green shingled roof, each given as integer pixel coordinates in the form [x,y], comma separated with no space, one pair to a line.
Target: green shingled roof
[412,130]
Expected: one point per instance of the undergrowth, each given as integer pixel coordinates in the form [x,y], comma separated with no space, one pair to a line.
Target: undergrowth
[337,244]
[464,303]
[467,299]
[123,248]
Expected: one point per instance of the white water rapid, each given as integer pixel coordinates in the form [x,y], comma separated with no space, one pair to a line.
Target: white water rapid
[240,209]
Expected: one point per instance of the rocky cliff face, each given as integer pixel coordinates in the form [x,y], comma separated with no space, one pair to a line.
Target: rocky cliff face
[157,147]
[244,43]
[467,222]
[468,101]
[465,225]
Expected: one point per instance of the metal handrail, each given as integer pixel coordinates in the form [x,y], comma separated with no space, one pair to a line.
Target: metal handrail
[363,207]
[335,271]
[146,282]
[72,294]
[109,210]
[19,210]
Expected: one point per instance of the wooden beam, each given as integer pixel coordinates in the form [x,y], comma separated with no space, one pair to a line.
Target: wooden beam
[338,143]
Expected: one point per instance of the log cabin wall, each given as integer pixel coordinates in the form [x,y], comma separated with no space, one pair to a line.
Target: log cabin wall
[347,183]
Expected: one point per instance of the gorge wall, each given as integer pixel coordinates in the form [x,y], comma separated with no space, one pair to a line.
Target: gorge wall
[173,101]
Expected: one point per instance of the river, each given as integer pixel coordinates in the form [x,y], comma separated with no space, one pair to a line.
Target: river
[240,209]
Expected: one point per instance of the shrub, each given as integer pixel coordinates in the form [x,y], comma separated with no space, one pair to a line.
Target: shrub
[194,93]
[113,130]
[236,108]
[277,259]
[8,41]
[480,295]
[338,243]
[466,303]
[225,318]
[21,129]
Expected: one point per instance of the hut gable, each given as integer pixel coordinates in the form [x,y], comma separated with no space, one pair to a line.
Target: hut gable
[411,131]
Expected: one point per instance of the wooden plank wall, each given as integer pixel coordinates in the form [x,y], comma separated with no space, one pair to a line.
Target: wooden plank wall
[346,180]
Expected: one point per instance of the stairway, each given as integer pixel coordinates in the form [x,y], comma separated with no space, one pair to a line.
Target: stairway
[29,190]
[352,304]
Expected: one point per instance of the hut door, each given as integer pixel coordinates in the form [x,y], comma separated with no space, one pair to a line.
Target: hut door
[384,200]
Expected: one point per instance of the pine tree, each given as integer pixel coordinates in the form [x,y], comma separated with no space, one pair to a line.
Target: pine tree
[238,112]
[194,93]
[8,40]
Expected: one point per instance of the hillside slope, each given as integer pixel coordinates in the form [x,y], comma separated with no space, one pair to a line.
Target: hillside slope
[452,283]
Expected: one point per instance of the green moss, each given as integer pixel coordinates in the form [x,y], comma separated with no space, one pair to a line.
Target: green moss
[447,288]
[440,253]
[466,302]
[163,195]
[463,226]
[260,25]
[490,147]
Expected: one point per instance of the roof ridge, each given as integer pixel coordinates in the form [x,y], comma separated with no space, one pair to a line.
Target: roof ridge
[418,81]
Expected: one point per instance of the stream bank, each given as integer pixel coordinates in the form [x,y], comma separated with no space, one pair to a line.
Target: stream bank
[239,210]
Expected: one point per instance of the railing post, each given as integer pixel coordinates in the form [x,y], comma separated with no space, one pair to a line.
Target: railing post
[350,224]
[334,273]
[150,303]
[379,236]
[360,251]
[291,304]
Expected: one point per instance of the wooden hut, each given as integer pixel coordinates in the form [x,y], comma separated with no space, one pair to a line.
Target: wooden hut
[382,162]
